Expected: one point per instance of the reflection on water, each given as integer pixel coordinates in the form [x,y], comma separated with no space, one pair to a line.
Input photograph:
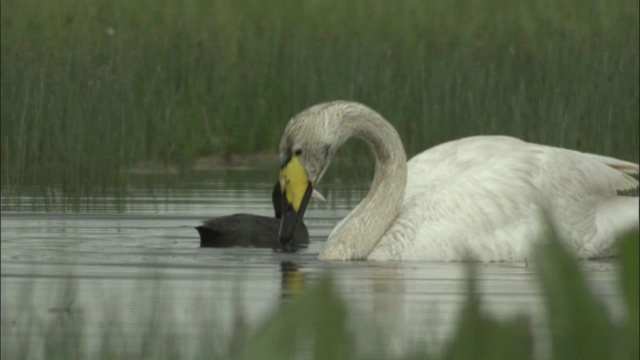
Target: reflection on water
[293,279]
[152,245]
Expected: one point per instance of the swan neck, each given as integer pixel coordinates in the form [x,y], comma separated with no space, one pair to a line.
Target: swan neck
[357,235]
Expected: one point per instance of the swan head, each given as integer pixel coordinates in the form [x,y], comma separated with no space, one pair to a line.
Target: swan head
[308,144]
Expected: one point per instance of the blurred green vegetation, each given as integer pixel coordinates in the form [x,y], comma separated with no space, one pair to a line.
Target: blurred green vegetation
[580,326]
[90,87]
[314,323]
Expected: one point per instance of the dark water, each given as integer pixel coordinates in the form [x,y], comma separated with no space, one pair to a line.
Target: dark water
[147,252]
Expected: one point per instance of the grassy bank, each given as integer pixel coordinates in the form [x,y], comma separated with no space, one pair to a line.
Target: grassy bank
[316,323]
[92,87]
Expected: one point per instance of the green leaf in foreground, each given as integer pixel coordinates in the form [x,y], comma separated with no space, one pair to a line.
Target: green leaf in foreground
[479,336]
[312,323]
[628,252]
[580,327]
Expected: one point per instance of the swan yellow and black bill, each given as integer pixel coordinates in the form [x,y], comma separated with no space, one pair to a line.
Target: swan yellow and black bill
[296,191]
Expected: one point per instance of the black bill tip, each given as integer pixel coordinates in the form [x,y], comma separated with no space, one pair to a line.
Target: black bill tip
[291,219]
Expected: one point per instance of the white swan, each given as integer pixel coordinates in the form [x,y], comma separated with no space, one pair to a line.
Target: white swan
[475,198]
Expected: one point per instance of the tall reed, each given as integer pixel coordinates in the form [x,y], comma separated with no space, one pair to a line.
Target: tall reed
[91,87]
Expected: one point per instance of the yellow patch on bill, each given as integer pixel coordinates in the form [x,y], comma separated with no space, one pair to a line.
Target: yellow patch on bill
[294,181]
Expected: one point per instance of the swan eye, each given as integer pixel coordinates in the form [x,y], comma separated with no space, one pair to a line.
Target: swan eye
[298,152]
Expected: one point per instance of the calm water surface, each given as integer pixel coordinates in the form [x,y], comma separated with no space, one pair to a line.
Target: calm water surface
[148,251]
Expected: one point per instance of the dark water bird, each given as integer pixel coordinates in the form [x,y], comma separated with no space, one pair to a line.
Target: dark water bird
[247,230]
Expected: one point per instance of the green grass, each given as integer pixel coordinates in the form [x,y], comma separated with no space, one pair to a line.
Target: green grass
[314,323]
[90,87]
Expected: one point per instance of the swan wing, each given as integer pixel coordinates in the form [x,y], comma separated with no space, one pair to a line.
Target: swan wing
[490,197]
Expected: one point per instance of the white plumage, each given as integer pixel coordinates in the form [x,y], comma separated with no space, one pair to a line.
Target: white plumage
[486,198]
[489,197]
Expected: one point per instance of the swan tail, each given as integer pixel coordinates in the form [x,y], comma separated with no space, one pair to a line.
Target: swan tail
[619,215]
[622,165]
[626,181]
[626,167]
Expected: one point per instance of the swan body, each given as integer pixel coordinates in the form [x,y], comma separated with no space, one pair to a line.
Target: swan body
[485,198]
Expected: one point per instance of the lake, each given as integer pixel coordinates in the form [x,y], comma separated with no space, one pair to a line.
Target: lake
[120,257]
